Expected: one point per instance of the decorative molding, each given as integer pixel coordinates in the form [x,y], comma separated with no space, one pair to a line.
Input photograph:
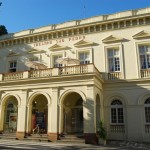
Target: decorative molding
[58,47]
[112,39]
[11,53]
[34,51]
[84,43]
[141,35]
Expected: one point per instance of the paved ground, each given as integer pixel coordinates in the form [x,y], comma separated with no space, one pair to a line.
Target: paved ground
[30,145]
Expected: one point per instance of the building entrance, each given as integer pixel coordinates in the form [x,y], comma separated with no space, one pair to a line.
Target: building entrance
[39,115]
[73,114]
[11,115]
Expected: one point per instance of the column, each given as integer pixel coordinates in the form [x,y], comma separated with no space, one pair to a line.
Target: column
[28,120]
[53,114]
[2,108]
[21,123]
[89,117]
[60,118]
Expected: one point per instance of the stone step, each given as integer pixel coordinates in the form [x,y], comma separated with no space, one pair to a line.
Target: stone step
[8,136]
[37,137]
[76,138]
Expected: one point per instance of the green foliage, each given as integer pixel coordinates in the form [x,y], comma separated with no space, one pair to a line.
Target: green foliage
[101,131]
[3,30]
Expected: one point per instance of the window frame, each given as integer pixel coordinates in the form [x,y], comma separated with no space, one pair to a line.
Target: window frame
[14,65]
[113,57]
[146,106]
[116,107]
[85,50]
[145,54]
[57,64]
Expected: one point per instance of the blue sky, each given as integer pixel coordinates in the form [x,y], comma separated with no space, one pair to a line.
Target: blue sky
[19,15]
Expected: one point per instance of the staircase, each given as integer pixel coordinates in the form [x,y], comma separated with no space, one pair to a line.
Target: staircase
[71,138]
[8,136]
[37,137]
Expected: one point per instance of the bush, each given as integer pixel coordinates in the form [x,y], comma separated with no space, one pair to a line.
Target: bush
[101,131]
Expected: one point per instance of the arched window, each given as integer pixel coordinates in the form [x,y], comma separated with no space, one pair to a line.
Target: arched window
[147,110]
[117,112]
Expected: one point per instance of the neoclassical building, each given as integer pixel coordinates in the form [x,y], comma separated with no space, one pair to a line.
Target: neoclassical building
[111,82]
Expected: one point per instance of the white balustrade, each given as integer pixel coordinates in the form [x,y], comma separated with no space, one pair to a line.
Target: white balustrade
[40,73]
[13,76]
[68,70]
[145,73]
[78,69]
[114,75]
[117,128]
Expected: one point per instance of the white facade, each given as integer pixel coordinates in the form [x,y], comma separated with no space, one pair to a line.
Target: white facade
[110,84]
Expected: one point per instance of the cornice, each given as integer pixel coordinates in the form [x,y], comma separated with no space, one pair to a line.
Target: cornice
[75,26]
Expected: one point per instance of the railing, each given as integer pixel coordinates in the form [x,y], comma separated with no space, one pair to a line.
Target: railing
[145,73]
[42,73]
[12,76]
[74,69]
[114,75]
[147,129]
[117,128]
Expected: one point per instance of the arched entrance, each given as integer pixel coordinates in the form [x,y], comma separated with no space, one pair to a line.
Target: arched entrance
[73,113]
[10,115]
[97,109]
[39,114]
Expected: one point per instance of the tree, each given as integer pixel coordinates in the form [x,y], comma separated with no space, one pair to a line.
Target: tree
[3,30]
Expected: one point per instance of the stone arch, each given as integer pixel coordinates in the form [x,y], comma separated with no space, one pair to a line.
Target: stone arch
[97,108]
[3,103]
[31,98]
[122,98]
[64,94]
[142,98]
[5,98]
[67,111]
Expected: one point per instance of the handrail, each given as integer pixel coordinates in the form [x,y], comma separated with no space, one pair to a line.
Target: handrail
[38,129]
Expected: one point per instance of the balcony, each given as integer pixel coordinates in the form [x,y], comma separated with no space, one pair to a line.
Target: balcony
[117,128]
[51,72]
[145,73]
[113,76]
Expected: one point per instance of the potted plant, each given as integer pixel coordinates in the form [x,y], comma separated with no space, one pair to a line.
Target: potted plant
[101,133]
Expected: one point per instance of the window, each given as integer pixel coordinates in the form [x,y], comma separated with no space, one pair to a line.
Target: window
[144,52]
[113,60]
[55,61]
[117,112]
[84,58]
[12,66]
[147,110]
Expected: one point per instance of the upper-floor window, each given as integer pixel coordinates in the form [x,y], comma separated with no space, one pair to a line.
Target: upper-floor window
[113,60]
[144,52]
[147,110]
[84,58]
[55,63]
[12,66]
[117,112]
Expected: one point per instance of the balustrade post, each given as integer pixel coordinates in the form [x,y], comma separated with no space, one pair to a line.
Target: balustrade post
[26,74]
[55,71]
[1,77]
[90,68]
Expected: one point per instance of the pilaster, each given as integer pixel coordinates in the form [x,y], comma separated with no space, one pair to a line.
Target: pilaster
[89,116]
[21,126]
[53,127]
